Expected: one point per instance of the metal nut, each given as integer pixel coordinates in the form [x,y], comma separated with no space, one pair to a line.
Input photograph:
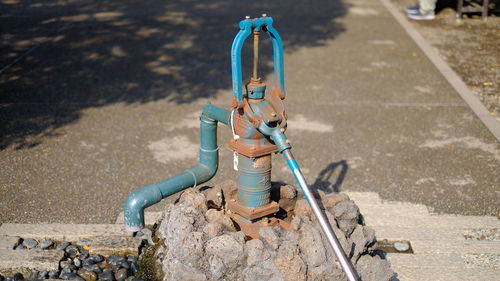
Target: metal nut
[247,17]
[264,15]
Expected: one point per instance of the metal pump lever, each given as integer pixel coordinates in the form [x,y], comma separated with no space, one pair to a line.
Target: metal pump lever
[285,148]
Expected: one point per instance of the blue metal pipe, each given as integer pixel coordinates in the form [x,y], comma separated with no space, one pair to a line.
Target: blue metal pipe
[204,171]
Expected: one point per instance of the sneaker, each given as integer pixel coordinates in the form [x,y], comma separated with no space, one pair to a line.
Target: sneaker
[421,16]
[413,9]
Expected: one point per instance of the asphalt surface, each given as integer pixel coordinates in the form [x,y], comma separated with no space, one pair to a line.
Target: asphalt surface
[105,100]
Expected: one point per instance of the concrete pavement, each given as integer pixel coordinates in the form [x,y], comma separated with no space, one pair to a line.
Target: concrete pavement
[108,101]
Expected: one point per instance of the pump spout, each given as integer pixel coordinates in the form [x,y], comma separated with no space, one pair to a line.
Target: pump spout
[204,171]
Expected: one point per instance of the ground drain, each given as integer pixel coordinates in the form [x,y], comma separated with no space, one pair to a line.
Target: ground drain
[398,246]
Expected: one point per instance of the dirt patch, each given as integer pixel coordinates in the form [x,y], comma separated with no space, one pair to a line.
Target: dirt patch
[471,47]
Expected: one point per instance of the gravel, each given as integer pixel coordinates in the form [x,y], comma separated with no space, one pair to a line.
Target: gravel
[78,265]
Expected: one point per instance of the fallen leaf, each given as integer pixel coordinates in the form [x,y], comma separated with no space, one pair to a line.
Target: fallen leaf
[86,247]
[488,83]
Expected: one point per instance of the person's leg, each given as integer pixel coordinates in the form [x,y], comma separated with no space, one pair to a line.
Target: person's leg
[426,11]
[427,6]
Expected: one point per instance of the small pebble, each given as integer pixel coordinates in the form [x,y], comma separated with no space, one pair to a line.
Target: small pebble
[53,275]
[64,271]
[29,243]
[77,262]
[123,264]
[402,246]
[87,275]
[121,274]
[71,276]
[88,261]
[132,259]
[107,275]
[45,244]
[67,264]
[62,246]
[97,258]
[93,267]
[42,275]
[33,275]
[134,267]
[72,251]
[104,265]
[116,259]
[84,254]
[17,277]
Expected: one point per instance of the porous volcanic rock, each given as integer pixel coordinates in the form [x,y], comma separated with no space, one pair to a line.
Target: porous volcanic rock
[199,243]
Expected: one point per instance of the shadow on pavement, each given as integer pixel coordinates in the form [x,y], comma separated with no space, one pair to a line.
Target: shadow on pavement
[325,180]
[58,58]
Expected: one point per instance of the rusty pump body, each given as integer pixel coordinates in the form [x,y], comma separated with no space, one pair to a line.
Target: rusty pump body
[258,125]
[252,149]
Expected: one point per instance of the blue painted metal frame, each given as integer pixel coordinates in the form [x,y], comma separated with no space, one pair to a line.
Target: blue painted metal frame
[246,27]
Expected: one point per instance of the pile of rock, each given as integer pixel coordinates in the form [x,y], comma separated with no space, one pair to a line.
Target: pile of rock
[200,241]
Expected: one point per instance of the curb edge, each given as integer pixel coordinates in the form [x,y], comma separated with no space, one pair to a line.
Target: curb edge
[455,81]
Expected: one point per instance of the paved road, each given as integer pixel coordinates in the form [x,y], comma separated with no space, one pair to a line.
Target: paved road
[106,101]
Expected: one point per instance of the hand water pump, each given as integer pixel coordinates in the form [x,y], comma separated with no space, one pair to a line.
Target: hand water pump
[258,125]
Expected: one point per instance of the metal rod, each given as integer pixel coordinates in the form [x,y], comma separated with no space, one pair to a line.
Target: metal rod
[323,221]
[256,54]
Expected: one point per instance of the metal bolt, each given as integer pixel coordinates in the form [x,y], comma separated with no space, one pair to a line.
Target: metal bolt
[247,17]
[264,15]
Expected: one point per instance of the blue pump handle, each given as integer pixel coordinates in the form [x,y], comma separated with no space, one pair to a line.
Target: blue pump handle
[246,27]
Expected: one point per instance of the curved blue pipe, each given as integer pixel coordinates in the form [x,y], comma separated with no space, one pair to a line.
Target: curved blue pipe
[204,171]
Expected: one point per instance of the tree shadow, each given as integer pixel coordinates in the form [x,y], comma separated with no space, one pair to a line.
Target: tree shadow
[59,57]
[324,181]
